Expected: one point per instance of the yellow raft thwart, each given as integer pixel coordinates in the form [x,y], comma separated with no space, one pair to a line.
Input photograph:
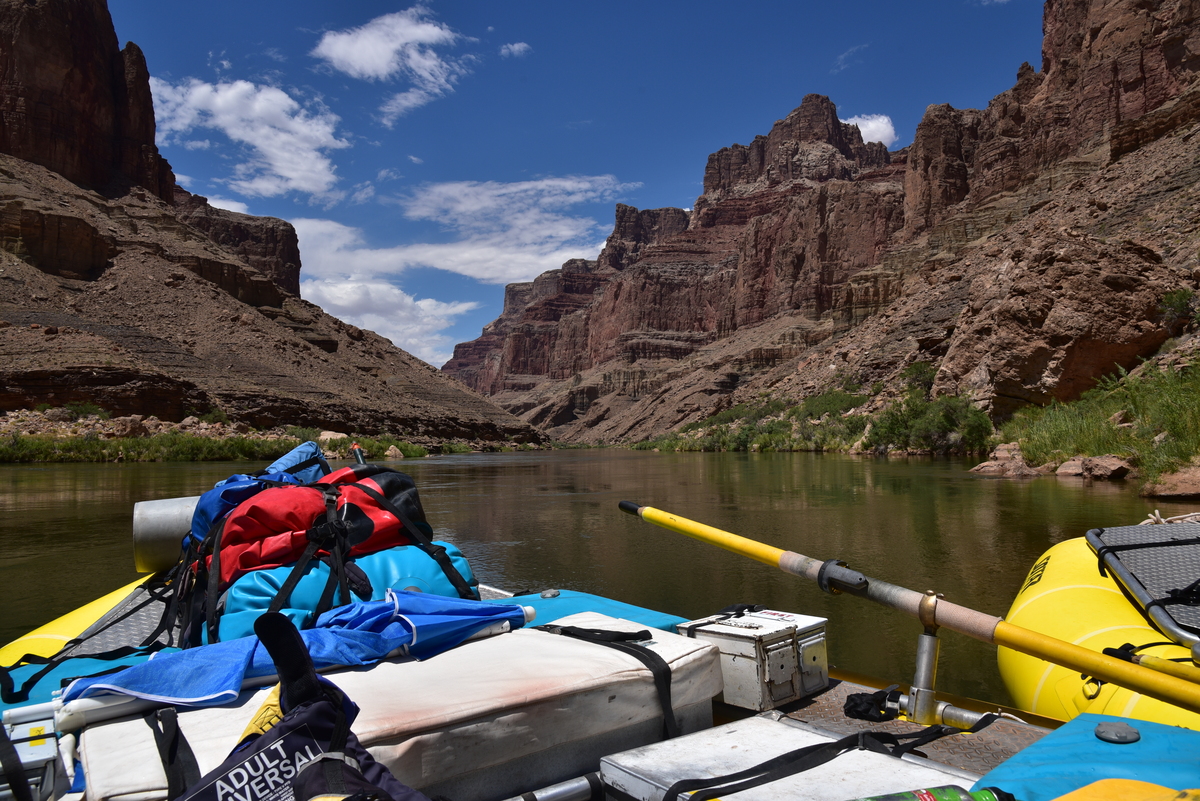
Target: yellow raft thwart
[1065,596]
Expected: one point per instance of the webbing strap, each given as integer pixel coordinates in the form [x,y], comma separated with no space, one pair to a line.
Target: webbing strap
[178,759]
[425,543]
[811,756]
[14,771]
[621,641]
[322,535]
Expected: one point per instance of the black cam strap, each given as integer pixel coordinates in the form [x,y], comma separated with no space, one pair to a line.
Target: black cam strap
[623,641]
[14,771]
[423,541]
[178,759]
[811,756]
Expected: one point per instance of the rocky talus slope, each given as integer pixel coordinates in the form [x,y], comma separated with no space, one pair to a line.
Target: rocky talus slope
[120,289]
[1023,249]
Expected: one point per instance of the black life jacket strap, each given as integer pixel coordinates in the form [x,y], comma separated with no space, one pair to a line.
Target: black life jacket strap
[621,641]
[178,759]
[14,771]
[298,684]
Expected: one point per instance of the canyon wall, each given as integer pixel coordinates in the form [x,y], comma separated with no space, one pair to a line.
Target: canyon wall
[121,289]
[1023,249]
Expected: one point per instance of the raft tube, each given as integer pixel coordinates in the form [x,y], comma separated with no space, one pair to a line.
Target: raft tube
[1065,596]
[49,639]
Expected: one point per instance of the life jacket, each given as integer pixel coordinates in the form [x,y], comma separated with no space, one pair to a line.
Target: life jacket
[299,745]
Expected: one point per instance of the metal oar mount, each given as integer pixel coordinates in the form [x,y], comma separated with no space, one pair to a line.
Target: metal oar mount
[834,577]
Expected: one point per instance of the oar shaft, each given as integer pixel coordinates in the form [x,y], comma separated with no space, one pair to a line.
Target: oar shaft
[970,622]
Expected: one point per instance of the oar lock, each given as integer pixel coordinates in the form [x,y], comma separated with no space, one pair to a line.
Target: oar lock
[927,611]
[834,576]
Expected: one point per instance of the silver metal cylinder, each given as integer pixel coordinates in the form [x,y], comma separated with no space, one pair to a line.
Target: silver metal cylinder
[924,704]
[581,789]
[158,531]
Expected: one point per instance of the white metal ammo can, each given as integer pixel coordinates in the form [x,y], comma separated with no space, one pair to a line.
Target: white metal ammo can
[768,658]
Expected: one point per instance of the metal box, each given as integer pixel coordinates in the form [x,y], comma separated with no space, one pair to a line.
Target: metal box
[768,658]
[644,774]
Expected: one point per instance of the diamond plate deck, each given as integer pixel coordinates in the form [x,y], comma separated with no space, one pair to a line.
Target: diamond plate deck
[1157,569]
[976,753]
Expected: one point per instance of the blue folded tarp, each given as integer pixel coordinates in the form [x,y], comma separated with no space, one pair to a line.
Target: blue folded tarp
[416,624]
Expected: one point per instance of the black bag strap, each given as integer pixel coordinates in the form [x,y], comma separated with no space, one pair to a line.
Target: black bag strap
[425,543]
[14,771]
[812,756]
[324,535]
[622,641]
[11,694]
[178,759]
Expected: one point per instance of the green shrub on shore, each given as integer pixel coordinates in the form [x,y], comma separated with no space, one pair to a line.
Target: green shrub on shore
[177,446]
[169,447]
[1152,419]
[826,423]
[949,424]
[816,424]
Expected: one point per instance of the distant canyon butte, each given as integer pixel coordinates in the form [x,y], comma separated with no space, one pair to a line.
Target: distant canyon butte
[1022,249]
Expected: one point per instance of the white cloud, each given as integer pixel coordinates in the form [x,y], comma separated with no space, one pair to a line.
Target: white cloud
[381,307]
[843,61]
[398,45]
[517,49]
[875,128]
[285,143]
[388,174]
[505,232]
[227,204]
[197,144]
[416,160]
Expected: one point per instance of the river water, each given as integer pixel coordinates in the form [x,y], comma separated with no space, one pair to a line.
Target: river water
[540,520]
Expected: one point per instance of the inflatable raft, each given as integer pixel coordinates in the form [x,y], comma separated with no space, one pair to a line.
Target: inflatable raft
[1067,595]
[521,712]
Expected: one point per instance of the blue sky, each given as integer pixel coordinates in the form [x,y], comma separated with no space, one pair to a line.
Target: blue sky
[430,154]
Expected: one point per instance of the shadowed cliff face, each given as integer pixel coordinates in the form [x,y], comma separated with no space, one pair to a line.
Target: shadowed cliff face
[119,288]
[73,101]
[1022,248]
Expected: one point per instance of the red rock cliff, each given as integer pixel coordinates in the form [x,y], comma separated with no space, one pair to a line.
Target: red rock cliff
[1022,248]
[72,101]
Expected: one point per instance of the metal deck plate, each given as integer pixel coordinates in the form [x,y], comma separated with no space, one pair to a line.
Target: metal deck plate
[976,753]
[1152,572]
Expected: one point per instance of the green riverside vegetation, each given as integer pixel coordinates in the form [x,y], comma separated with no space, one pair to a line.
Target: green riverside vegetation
[825,422]
[1150,417]
[176,446]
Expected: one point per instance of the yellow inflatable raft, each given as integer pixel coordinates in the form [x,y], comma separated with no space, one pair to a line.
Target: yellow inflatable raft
[49,639]
[1065,596]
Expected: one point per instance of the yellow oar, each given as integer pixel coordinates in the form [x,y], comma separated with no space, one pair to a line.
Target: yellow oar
[833,576]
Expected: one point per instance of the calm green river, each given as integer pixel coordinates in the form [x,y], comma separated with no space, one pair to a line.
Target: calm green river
[540,520]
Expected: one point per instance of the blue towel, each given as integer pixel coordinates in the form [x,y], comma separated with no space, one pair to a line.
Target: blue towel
[419,625]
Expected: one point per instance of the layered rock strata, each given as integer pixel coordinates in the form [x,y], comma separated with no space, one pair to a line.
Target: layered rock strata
[119,289]
[1023,249]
